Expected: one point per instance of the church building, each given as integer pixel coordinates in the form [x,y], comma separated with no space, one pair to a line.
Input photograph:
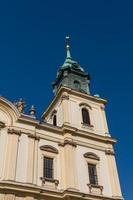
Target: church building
[68,153]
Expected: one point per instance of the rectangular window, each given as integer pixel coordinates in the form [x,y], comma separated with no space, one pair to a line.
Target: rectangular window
[48,168]
[92,174]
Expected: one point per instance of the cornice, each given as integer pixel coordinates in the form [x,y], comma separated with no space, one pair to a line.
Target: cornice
[61,141]
[28,120]
[86,134]
[39,192]
[39,125]
[49,148]
[91,155]
[69,129]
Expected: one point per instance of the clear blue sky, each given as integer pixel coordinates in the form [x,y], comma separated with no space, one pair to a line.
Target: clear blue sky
[32,47]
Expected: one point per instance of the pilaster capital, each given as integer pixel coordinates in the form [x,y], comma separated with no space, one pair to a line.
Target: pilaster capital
[33,136]
[65,96]
[109,152]
[13,131]
[68,142]
[2,125]
[102,107]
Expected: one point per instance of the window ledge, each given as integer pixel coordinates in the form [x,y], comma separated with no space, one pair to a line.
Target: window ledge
[49,182]
[95,189]
[90,126]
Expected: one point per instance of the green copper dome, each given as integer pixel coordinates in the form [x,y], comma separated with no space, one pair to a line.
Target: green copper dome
[71,74]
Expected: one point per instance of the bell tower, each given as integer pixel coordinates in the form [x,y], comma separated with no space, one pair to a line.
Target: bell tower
[71,74]
[87,146]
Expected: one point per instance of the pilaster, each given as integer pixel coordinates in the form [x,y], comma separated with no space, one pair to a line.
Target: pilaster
[3,146]
[29,198]
[32,158]
[2,196]
[11,154]
[65,106]
[35,175]
[68,164]
[104,120]
[9,197]
[115,185]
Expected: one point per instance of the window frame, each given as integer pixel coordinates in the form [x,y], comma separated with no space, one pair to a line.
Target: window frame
[45,169]
[89,109]
[85,116]
[93,159]
[93,178]
[49,152]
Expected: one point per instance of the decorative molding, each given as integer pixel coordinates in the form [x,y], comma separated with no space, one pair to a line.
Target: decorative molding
[2,125]
[49,148]
[93,187]
[45,181]
[86,133]
[65,96]
[33,136]
[91,155]
[109,152]
[50,180]
[13,131]
[102,107]
[85,105]
[72,189]
[70,142]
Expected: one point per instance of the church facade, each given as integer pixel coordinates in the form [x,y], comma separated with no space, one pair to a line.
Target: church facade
[68,154]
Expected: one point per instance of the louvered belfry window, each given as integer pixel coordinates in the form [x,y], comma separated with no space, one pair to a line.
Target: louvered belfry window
[92,174]
[48,168]
[85,116]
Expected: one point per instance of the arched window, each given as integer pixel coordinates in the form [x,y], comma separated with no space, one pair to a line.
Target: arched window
[77,85]
[54,120]
[85,116]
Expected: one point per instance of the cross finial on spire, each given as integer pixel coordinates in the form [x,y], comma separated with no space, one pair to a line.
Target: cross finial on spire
[68,47]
